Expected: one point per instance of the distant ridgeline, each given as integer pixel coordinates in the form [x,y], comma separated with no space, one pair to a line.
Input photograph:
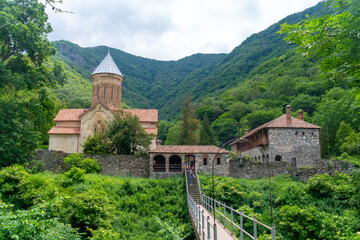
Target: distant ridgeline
[164,84]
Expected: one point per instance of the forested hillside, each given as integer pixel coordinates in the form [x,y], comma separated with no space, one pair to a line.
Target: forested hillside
[164,84]
[146,82]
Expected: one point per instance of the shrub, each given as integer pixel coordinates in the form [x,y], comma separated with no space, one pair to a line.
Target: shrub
[87,211]
[12,180]
[90,165]
[320,186]
[298,223]
[74,175]
[97,144]
[102,233]
[33,224]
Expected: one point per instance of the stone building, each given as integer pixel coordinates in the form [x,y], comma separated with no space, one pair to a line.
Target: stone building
[73,126]
[283,139]
[169,160]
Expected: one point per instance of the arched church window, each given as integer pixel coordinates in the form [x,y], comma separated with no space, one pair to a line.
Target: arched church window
[95,129]
[117,96]
[98,92]
[104,91]
[278,158]
[112,90]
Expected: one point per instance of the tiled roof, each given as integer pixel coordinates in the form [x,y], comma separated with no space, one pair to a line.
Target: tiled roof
[144,115]
[69,115]
[151,130]
[187,149]
[281,122]
[64,130]
[107,65]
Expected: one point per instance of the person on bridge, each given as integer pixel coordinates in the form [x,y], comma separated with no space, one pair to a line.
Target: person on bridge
[191,177]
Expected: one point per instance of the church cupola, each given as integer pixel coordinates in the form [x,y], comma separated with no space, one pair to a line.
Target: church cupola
[107,80]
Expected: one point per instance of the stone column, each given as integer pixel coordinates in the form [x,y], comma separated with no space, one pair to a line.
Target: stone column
[151,164]
[182,162]
[167,164]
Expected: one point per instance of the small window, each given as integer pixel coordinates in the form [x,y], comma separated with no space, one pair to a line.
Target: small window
[218,161]
[95,129]
[277,158]
[98,92]
[104,91]
[117,95]
[112,90]
[204,161]
[303,133]
[296,133]
[312,134]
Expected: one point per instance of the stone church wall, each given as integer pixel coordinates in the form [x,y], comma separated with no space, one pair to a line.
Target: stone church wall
[111,164]
[68,143]
[289,143]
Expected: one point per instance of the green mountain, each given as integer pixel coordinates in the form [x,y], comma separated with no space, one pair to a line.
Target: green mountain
[164,84]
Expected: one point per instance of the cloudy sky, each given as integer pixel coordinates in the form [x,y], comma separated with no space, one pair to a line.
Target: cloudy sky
[168,29]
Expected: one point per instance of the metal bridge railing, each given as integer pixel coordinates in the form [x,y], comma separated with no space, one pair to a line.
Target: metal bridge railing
[222,213]
[208,231]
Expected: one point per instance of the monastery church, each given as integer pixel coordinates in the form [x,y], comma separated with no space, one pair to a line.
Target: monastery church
[74,126]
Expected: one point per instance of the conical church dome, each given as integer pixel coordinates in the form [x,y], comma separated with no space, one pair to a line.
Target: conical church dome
[107,80]
[107,65]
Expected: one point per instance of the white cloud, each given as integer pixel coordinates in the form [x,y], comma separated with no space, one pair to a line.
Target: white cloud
[168,29]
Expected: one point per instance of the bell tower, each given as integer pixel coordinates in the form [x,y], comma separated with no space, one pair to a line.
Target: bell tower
[107,80]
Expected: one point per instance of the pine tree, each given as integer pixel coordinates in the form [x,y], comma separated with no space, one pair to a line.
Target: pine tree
[207,134]
[189,124]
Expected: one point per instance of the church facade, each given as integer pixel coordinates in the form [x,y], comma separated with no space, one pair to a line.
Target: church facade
[74,126]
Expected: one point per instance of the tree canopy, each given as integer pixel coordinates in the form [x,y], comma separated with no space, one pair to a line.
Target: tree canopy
[334,38]
[123,135]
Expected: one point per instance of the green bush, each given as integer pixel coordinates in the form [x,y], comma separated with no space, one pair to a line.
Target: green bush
[299,223]
[35,223]
[97,144]
[74,175]
[12,180]
[87,211]
[103,233]
[90,165]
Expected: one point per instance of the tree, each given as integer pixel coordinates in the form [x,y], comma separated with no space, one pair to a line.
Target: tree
[189,124]
[347,140]
[207,134]
[18,137]
[123,135]
[237,111]
[173,135]
[97,144]
[24,29]
[336,105]
[334,38]
[163,130]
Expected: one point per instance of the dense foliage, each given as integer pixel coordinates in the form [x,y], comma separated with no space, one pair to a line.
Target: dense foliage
[41,206]
[323,208]
[122,135]
[334,38]
[26,109]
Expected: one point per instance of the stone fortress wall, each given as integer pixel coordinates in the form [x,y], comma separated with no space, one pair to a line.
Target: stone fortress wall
[139,167]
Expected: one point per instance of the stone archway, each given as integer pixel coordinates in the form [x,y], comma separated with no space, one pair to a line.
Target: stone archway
[190,160]
[175,163]
[159,162]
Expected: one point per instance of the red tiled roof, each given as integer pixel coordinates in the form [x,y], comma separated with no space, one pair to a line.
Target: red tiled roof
[281,122]
[151,130]
[187,149]
[144,115]
[69,115]
[64,130]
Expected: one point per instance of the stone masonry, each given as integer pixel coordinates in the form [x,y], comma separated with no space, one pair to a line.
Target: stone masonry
[111,164]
